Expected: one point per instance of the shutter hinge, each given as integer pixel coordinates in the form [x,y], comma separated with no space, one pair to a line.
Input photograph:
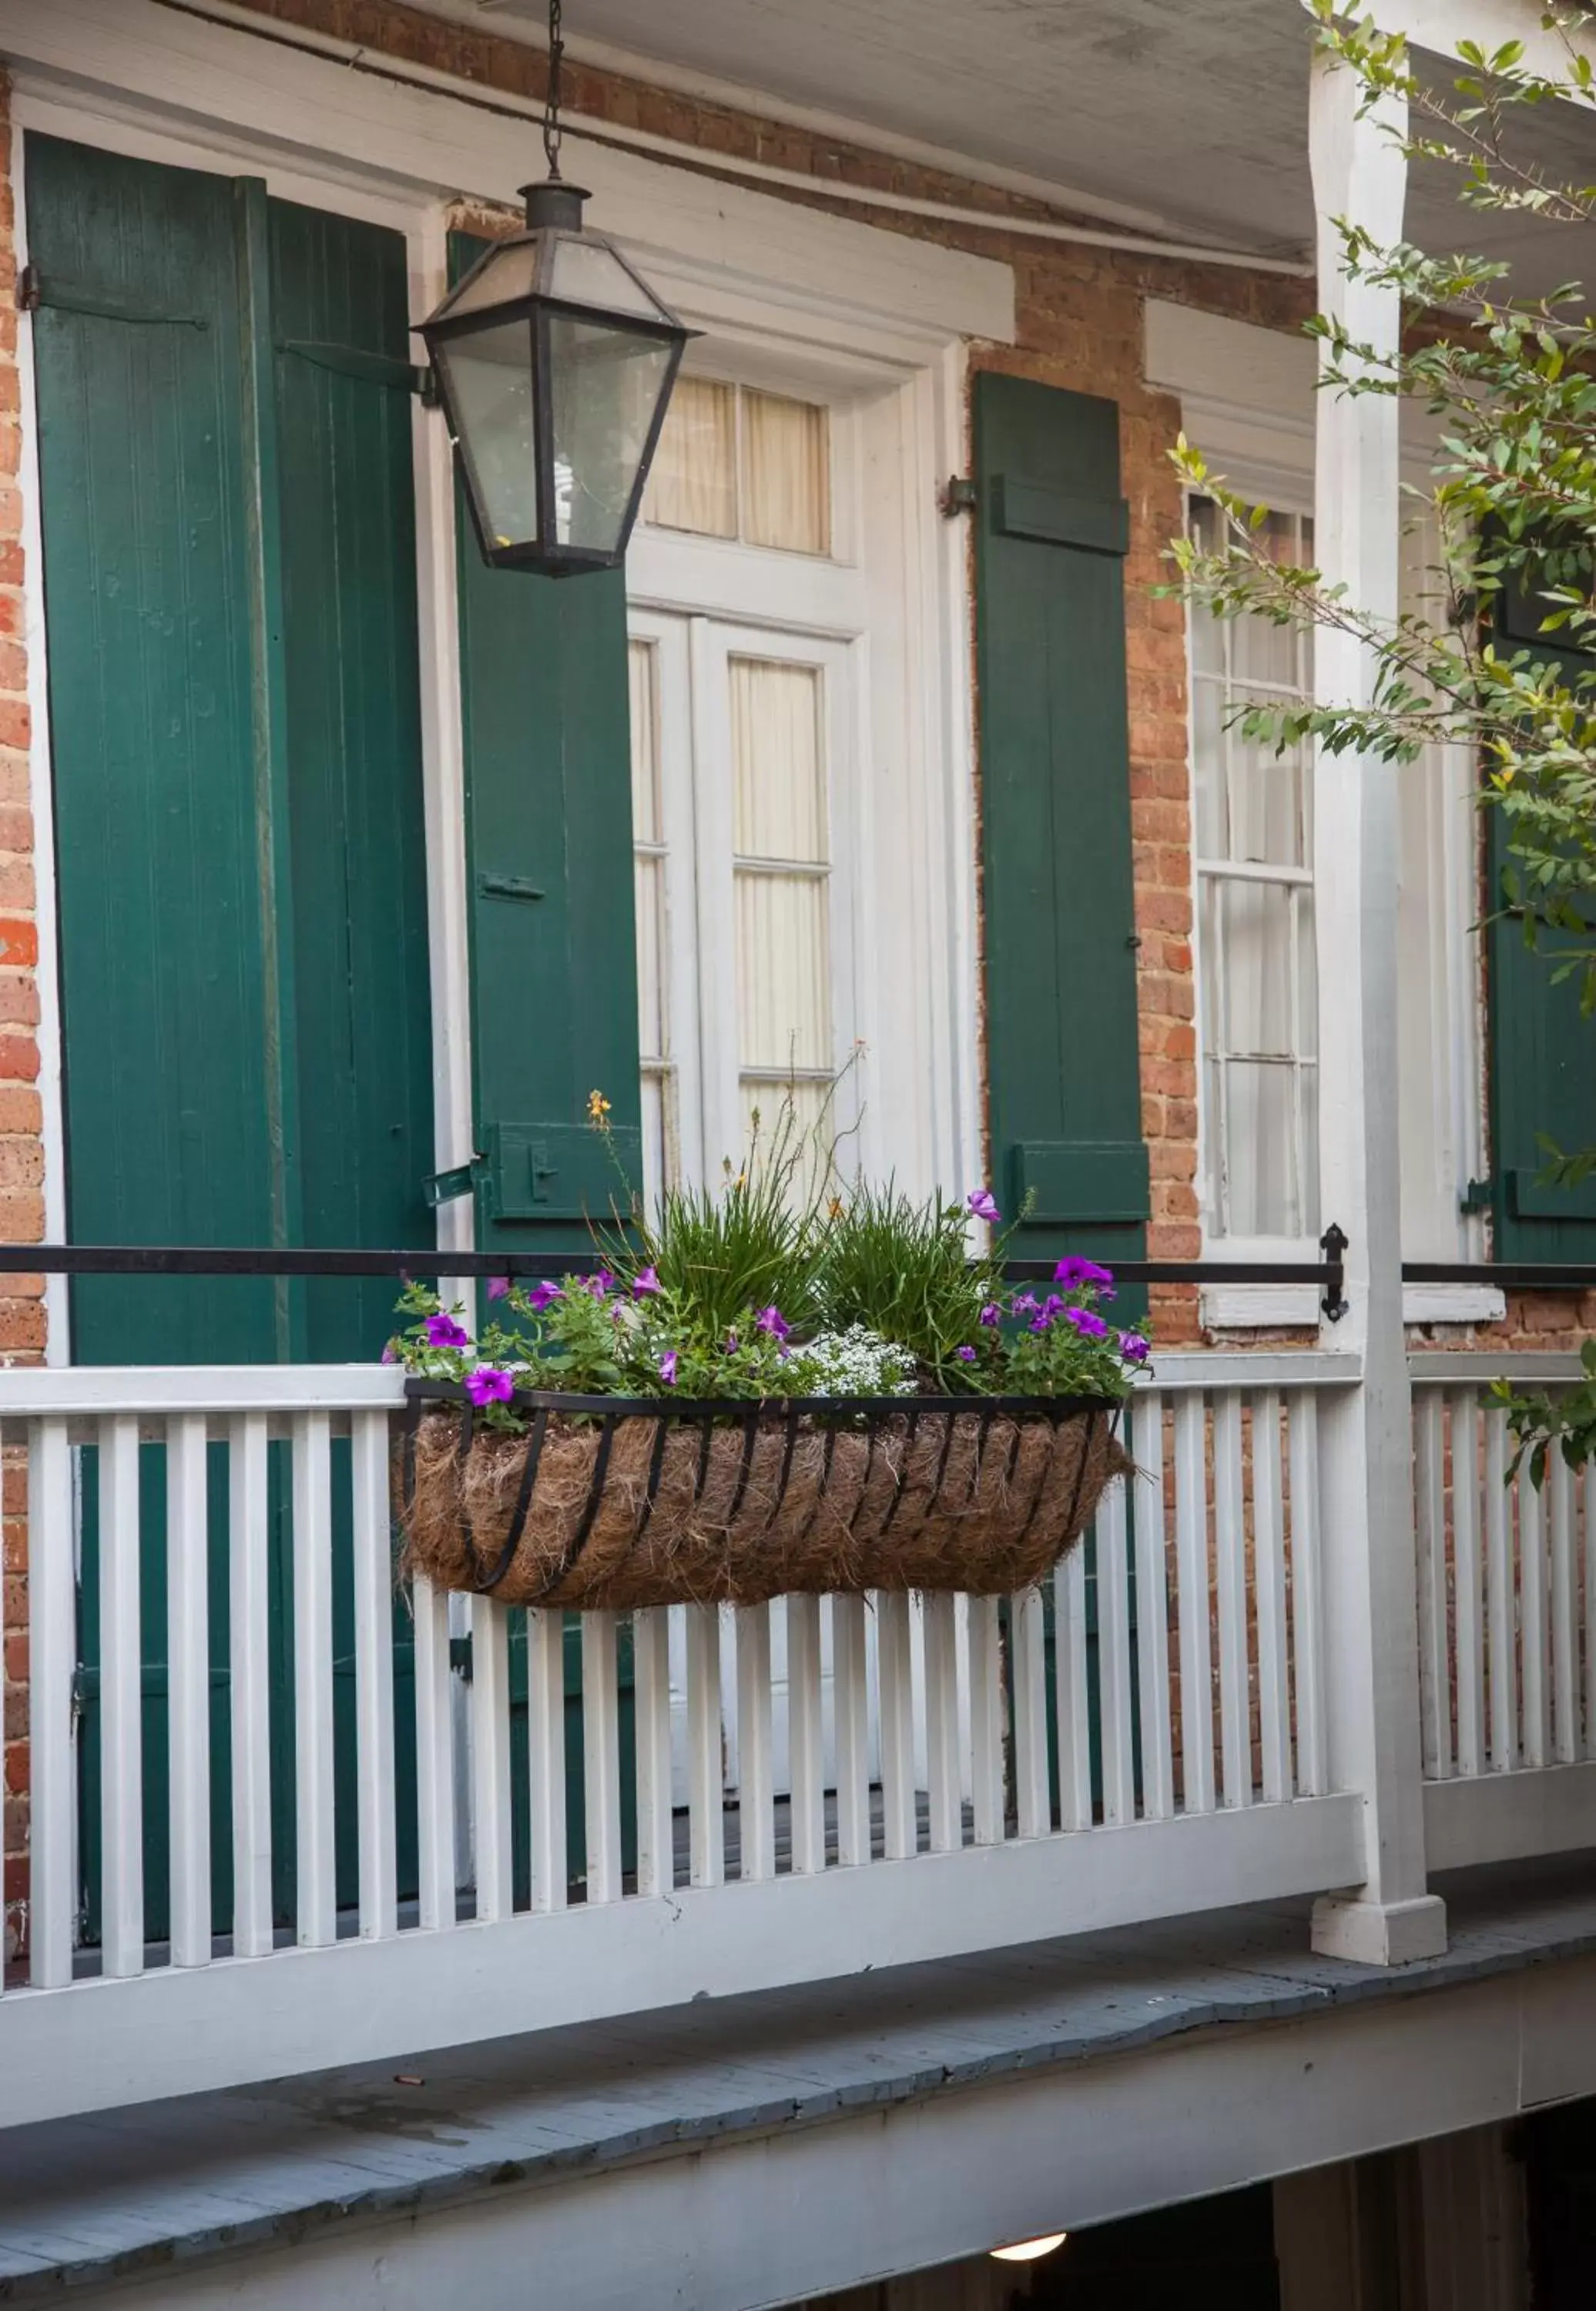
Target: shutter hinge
[423,383]
[443,1187]
[28,294]
[958,495]
[459,1656]
[1478,1196]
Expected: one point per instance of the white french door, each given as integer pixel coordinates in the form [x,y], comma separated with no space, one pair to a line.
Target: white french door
[743,770]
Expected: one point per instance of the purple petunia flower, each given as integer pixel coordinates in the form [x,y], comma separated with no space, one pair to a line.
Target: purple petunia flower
[644,1283]
[965,1355]
[667,1368]
[601,1285]
[731,1344]
[544,1296]
[1134,1348]
[771,1320]
[498,1288]
[390,1355]
[1086,1321]
[488,1385]
[1076,1272]
[1024,1304]
[1041,1323]
[983,1205]
[992,1313]
[443,1332]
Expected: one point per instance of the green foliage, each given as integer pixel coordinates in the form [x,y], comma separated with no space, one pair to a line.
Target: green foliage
[903,1269]
[749,1244]
[1543,1424]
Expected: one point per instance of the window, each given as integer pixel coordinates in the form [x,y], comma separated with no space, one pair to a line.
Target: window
[1253,843]
[742,766]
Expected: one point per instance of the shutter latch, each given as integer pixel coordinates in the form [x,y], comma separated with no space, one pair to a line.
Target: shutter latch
[958,495]
[443,1187]
[1478,1196]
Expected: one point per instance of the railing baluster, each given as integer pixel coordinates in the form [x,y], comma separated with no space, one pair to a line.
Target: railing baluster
[1307,1594]
[188,1687]
[1430,1524]
[650,1670]
[1151,1606]
[1073,1696]
[52,1653]
[945,1811]
[1191,1554]
[705,1786]
[601,1756]
[250,1670]
[1469,1642]
[1230,1544]
[374,1676]
[1501,1635]
[986,1720]
[1564,1595]
[546,1754]
[434,1758]
[851,1695]
[756,1802]
[805,1740]
[1029,1666]
[1113,1658]
[490,1759]
[1588,1488]
[895,1677]
[121,1702]
[314,1846]
[1268,1558]
[1532,1628]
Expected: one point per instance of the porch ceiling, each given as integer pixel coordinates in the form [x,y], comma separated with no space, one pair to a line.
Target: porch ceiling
[1151,113]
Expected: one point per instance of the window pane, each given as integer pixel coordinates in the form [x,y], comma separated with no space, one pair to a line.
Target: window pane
[606,386]
[778,774]
[1253,930]
[783,970]
[692,483]
[1261,1154]
[644,688]
[1208,766]
[1266,803]
[786,473]
[1259,651]
[810,1104]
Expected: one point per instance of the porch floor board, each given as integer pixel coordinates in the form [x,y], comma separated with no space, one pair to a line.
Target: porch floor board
[124,2192]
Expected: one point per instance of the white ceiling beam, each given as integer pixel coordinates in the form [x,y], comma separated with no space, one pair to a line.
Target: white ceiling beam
[1443,26]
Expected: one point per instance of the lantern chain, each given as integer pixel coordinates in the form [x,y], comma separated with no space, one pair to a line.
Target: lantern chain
[551,109]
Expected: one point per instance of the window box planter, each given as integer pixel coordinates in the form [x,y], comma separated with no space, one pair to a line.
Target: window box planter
[622,1502]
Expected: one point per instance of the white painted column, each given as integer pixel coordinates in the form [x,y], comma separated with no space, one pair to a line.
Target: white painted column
[1371,1638]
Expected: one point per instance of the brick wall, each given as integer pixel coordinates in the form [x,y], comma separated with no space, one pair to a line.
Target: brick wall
[22,1153]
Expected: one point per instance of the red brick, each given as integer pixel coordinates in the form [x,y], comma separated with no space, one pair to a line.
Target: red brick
[19,1059]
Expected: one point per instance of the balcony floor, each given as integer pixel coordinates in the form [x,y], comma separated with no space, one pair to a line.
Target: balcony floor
[102,2202]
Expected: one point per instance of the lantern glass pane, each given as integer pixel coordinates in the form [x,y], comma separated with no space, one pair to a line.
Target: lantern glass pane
[584,272]
[505,275]
[488,378]
[605,385]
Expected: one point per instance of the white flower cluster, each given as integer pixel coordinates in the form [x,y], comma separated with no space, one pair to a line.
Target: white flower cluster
[855,1363]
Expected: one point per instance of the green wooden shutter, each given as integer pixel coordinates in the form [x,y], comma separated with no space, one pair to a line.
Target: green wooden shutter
[548,841]
[1542,1055]
[1064,1101]
[230,575]
[138,351]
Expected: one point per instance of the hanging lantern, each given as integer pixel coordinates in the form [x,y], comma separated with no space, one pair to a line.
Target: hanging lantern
[555,361]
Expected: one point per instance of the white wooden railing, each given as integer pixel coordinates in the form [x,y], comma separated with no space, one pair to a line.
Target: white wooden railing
[909,1780]
[1507,1624]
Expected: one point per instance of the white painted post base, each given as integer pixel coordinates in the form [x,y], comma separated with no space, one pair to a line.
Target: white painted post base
[1380,1933]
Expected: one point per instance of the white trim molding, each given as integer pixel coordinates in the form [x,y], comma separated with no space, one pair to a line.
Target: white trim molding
[1294,1307]
[205,80]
